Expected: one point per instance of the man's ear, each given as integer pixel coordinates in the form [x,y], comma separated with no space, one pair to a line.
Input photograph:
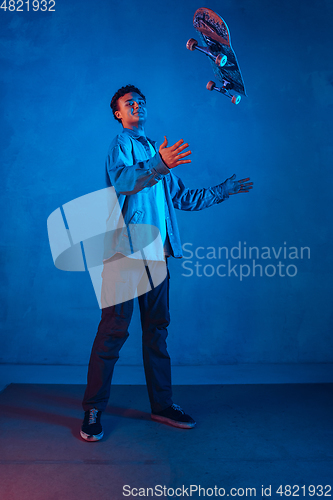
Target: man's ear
[118,115]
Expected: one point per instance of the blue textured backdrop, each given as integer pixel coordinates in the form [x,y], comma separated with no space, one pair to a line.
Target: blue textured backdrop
[58,73]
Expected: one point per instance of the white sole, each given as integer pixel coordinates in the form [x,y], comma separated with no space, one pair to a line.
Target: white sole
[174,423]
[86,437]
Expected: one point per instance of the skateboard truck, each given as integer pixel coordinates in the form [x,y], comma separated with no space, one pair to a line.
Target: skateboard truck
[235,99]
[220,60]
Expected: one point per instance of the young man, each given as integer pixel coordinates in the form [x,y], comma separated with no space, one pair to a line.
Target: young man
[148,191]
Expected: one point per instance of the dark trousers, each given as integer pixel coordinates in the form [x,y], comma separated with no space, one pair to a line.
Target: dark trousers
[112,334]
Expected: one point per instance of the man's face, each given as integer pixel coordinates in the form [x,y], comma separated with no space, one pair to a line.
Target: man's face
[131,110]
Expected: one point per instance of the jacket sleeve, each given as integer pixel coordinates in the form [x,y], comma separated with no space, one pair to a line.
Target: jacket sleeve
[128,178]
[195,199]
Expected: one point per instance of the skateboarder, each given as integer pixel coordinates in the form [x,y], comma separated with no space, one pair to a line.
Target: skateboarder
[148,192]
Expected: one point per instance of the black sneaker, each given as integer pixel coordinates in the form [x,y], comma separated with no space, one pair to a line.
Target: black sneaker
[91,429]
[174,415]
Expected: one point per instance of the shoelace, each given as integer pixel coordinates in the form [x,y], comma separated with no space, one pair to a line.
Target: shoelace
[176,407]
[93,416]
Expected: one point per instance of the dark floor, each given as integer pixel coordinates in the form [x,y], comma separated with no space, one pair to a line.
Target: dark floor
[246,436]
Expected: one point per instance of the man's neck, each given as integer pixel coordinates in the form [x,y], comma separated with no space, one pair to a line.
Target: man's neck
[140,131]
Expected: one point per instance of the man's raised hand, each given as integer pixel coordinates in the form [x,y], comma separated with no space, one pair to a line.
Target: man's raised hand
[235,187]
[173,155]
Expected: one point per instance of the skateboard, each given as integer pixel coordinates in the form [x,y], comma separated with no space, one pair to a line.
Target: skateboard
[215,36]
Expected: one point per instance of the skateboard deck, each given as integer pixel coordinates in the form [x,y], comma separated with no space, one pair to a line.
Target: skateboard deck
[215,36]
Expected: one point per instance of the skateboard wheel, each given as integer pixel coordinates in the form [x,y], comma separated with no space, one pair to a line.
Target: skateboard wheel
[236,99]
[191,44]
[210,85]
[220,60]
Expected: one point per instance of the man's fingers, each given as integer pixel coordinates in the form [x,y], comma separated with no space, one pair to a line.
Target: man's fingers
[173,155]
[164,143]
[182,155]
[183,161]
[244,180]
[231,194]
[176,145]
[181,148]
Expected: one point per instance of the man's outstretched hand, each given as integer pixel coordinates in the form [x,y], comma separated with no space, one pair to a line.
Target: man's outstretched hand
[234,187]
[173,155]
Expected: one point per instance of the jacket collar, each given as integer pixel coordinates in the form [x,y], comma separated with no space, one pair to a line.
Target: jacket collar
[139,137]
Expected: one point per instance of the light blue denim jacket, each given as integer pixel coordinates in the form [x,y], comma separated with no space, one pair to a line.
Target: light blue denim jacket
[148,191]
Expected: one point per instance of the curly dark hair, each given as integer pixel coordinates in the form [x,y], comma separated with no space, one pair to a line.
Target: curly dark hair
[120,93]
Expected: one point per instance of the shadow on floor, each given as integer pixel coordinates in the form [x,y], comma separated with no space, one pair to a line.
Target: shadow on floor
[247,436]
